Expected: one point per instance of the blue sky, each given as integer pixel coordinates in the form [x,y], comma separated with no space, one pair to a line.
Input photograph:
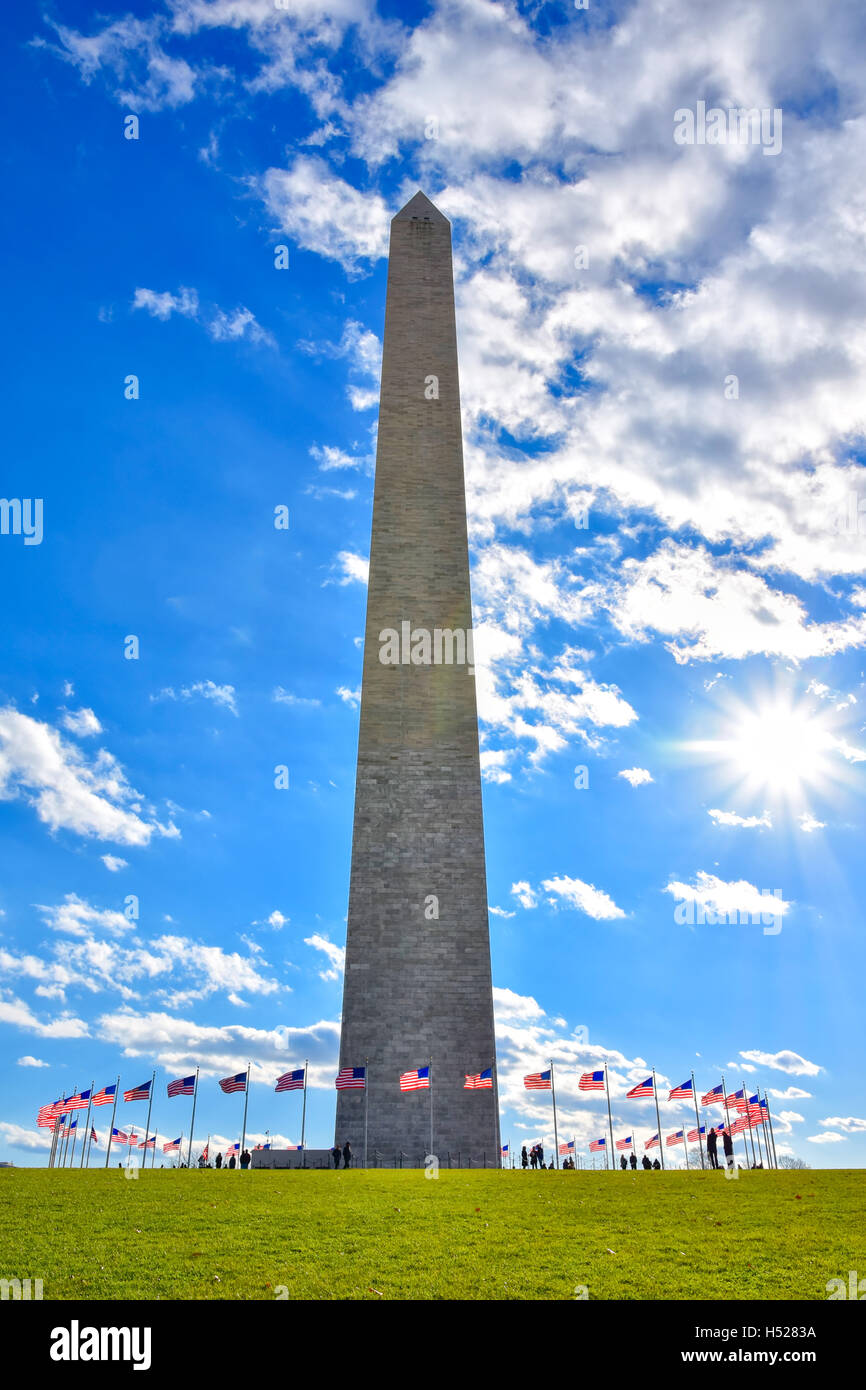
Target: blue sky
[667,579]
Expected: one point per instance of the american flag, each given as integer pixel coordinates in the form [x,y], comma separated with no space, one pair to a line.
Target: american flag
[106,1095]
[118,1137]
[78,1102]
[597,1146]
[739,1125]
[683,1092]
[138,1092]
[735,1098]
[481,1081]
[205,1153]
[538,1081]
[184,1087]
[235,1083]
[624,1143]
[652,1143]
[591,1081]
[674,1139]
[261,1146]
[695,1134]
[232,1148]
[289,1081]
[714,1097]
[504,1149]
[147,1143]
[415,1080]
[351,1079]
[93,1137]
[172,1146]
[640,1092]
[48,1114]
[68,1126]
[752,1108]
[567,1148]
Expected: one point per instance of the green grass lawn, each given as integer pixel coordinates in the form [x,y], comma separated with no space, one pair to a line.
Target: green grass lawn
[179,1234]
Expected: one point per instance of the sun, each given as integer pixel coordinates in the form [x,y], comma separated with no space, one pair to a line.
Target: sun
[777,750]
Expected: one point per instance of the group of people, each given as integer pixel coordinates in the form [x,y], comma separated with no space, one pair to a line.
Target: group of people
[245,1161]
[534,1158]
[346,1152]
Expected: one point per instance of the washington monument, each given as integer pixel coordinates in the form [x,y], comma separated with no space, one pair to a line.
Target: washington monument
[418,989]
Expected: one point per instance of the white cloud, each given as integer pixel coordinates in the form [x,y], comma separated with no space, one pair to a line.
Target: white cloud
[329,458]
[220,694]
[68,792]
[850,1124]
[748,822]
[355,568]
[19,1015]
[285,697]
[524,894]
[223,326]
[349,697]
[500,912]
[114,863]
[584,897]
[808,822]
[323,213]
[335,954]
[790,1093]
[30,1140]
[31,1062]
[790,1062]
[731,900]
[636,776]
[82,722]
[827,1138]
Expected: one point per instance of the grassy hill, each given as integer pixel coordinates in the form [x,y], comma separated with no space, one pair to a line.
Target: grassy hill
[480,1235]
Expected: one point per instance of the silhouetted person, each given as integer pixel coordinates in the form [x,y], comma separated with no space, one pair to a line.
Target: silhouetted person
[245,1159]
[712,1144]
[232,1161]
[335,1155]
[633,1161]
[657,1165]
[541,1155]
[347,1155]
[645,1162]
[218,1161]
[524,1157]
[623,1162]
[728,1146]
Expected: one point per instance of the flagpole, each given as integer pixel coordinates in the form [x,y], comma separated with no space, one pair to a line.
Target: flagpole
[430,1079]
[87,1124]
[53,1141]
[555,1130]
[66,1127]
[246,1101]
[658,1118]
[496,1112]
[727,1116]
[111,1126]
[609,1120]
[304,1117]
[147,1125]
[772,1134]
[686,1147]
[748,1115]
[192,1121]
[761,1126]
[697,1119]
[366,1104]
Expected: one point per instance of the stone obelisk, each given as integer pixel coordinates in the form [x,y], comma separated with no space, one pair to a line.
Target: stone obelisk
[418,990]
